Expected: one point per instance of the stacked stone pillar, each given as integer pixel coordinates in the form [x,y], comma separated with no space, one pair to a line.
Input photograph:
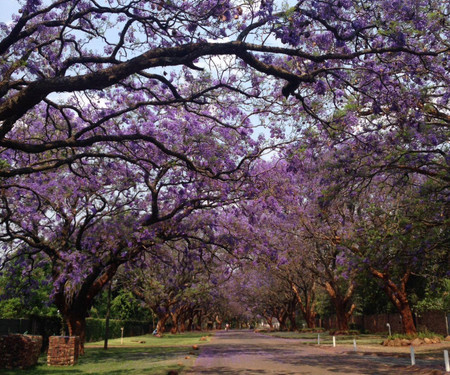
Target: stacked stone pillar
[19,351]
[63,350]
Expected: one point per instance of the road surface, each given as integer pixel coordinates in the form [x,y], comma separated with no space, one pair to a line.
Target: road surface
[249,353]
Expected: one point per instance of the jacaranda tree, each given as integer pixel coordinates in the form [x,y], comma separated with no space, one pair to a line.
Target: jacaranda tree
[88,219]
[347,64]
[146,84]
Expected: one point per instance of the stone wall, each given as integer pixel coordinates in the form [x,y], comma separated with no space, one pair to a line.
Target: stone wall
[63,350]
[19,351]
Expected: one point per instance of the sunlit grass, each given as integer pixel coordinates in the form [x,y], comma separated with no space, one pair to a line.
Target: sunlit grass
[365,343]
[147,354]
[187,338]
[327,339]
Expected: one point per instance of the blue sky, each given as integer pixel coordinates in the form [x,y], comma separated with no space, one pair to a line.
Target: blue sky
[7,8]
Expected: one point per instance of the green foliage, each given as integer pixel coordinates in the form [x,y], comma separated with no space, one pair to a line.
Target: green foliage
[369,296]
[437,299]
[11,308]
[126,307]
[20,299]
[4,164]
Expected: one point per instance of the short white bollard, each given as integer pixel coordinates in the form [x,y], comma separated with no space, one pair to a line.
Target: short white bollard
[121,336]
[413,356]
[354,345]
[334,341]
[447,364]
[318,339]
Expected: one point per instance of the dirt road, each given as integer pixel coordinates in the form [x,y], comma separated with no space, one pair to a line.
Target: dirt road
[249,353]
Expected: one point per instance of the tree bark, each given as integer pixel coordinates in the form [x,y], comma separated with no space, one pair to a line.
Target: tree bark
[76,324]
[292,313]
[219,322]
[174,316]
[307,307]
[292,320]
[75,309]
[343,311]
[161,325]
[399,297]
[282,316]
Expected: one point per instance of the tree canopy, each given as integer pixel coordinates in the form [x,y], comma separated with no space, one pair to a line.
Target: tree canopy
[127,125]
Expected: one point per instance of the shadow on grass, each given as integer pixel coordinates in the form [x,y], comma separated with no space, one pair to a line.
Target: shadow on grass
[114,361]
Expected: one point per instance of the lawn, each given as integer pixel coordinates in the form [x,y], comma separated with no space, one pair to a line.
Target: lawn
[326,339]
[365,343]
[137,355]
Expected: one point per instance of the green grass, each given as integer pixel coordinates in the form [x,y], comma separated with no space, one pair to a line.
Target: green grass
[184,339]
[327,339]
[138,355]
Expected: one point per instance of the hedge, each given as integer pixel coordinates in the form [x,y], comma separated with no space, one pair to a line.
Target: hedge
[95,328]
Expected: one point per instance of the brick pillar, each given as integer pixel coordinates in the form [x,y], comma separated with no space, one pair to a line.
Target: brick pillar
[63,350]
[19,351]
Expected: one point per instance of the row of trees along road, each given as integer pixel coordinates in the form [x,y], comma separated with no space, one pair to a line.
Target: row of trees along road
[120,120]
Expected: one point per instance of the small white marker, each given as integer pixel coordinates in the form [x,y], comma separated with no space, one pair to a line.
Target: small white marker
[413,357]
[447,364]
[334,341]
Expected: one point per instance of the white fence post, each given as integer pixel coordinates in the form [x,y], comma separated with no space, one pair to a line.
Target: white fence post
[413,357]
[447,364]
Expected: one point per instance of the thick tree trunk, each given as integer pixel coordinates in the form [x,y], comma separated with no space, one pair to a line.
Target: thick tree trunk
[341,316]
[75,311]
[199,320]
[74,315]
[399,297]
[307,306]
[161,325]
[292,313]
[190,323]
[292,320]
[282,316]
[189,319]
[407,320]
[76,323]
[174,316]
[310,318]
[343,311]
[218,322]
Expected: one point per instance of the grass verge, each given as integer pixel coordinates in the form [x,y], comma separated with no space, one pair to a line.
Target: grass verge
[327,339]
[137,355]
